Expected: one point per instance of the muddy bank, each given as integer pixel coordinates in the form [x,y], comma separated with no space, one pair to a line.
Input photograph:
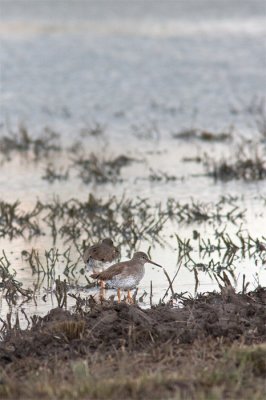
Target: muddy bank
[109,327]
[213,347]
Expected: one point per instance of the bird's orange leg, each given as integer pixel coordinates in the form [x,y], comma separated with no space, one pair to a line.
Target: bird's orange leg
[119,295]
[129,297]
[102,290]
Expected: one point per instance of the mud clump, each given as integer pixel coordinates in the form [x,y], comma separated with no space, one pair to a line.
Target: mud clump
[109,327]
[214,344]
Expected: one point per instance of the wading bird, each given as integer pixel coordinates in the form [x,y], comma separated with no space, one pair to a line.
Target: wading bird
[99,256]
[125,275]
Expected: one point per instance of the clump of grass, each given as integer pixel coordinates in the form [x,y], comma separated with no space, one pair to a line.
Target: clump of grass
[185,134]
[94,169]
[196,159]
[61,292]
[70,329]
[10,287]
[206,136]
[95,129]
[243,243]
[14,222]
[46,263]
[51,175]
[228,248]
[238,368]
[244,164]
[161,176]
[225,209]
[23,142]
[215,137]
[252,360]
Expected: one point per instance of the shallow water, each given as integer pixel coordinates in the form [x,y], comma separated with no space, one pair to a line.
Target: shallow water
[144,71]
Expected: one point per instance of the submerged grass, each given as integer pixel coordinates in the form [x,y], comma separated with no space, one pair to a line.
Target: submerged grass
[239,242]
[9,286]
[245,163]
[23,142]
[51,174]
[126,219]
[95,169]
[205,136]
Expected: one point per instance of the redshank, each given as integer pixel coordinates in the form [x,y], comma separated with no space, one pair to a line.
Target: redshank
[125,275]
[99,256]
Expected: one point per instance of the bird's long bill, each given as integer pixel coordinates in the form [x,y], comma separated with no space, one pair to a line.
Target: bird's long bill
[151,262]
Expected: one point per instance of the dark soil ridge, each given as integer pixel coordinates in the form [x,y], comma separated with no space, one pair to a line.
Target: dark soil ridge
[108,328]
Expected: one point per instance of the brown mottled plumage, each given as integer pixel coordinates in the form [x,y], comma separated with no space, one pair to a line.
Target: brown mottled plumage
[113,270]
[104,251]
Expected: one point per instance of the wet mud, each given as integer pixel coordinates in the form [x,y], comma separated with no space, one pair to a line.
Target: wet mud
[212,347]
[108,328]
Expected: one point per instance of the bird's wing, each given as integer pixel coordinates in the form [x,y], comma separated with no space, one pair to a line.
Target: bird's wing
[104,253]
[101,252]
[110,272]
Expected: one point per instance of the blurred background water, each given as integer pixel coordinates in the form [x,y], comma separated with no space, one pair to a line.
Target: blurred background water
[176,63]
